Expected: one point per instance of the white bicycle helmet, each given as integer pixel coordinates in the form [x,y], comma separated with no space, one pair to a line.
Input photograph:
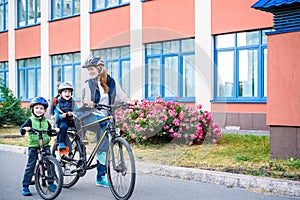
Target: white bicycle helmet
[65,86]
[93,62]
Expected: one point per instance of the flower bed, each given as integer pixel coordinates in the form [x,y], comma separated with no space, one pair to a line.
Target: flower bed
[159,122]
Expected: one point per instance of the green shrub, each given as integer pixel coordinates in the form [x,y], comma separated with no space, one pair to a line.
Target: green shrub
[11,112]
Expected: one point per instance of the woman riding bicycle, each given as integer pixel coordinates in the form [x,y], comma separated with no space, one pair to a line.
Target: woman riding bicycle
[103,89]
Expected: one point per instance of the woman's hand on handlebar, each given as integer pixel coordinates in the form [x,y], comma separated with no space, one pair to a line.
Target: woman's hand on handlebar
[89,104]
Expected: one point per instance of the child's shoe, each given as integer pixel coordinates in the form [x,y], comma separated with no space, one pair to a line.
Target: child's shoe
[61,145]
[52,187]
[26,191]
[103,182]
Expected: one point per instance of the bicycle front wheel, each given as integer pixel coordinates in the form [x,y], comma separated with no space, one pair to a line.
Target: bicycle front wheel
[49,178]
[70,163]
[121,169]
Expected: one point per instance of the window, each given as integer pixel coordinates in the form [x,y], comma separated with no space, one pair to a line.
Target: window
[29,78]
[66,67]
[240,70]
[104,4]
[117,62]
[64,8]
[170,69]
[3,75]
[28,12]
[3,15]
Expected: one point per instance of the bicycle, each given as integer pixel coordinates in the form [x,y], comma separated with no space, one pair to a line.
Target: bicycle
[120,162]
[48,170]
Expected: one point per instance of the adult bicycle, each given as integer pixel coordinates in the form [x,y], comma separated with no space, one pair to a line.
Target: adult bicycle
[120,162]
[48,170]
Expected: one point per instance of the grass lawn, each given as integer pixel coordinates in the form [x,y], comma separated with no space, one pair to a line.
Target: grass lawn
[243,154]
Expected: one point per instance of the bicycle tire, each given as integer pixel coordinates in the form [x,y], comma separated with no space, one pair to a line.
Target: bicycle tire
[121,178]
[70,163]
[52,174]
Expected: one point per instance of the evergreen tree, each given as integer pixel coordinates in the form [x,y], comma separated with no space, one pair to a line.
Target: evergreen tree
[11,112]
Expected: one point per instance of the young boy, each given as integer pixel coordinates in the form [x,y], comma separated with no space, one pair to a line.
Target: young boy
[64,113]
[37,121]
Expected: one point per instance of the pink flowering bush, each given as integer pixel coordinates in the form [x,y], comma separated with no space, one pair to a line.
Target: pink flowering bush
[159,122]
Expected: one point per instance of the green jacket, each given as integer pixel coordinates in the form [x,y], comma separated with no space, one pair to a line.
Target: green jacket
[38,124]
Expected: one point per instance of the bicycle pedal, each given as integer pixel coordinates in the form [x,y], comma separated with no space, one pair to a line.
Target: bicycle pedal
[85,141]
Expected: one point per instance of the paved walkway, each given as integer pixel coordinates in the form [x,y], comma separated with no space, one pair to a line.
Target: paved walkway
[258,184]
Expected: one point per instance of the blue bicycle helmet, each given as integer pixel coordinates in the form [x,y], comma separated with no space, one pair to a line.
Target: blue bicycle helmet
[40,101]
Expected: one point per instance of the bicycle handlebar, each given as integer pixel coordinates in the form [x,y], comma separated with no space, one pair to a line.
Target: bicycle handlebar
[50,132]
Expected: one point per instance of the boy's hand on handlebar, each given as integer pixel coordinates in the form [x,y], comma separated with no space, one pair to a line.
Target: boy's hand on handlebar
[70,114]
[25,129]
[56,130]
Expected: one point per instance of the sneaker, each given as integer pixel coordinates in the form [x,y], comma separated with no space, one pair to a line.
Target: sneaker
[61,145]
[103,182]
[26,191]
[52,187]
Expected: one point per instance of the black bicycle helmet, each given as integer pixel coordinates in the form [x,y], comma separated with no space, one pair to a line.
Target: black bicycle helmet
[93,62]
[40,101]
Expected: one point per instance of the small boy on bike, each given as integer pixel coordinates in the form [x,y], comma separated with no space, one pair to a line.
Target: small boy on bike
[64,108]
[37,121]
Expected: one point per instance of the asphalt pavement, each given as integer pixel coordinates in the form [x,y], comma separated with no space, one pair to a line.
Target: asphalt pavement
[253,183]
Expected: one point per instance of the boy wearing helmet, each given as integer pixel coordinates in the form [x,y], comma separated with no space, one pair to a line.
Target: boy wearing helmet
[103,89]
[64,113]
[37,121]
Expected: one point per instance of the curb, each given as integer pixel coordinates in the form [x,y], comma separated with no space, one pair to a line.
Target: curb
[258,184]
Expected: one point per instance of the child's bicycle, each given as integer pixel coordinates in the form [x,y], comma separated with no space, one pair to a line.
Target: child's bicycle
[120,162]
[48,170]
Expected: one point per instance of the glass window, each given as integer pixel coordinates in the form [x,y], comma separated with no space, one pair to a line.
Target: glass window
[3,15]
[28,12]
[3,74]
[248,38]
[171,71]
[64,8]
[240,75]
[117,63]
[29,76]
[67,67]
[224,41]
[104,4]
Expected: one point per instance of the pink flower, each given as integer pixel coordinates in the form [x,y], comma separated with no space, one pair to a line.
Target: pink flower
[199,106]
[133,136]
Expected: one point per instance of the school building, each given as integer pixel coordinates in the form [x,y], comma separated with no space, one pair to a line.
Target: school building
[239,59]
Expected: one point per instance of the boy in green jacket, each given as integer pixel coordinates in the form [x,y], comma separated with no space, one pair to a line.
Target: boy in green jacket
[37,121]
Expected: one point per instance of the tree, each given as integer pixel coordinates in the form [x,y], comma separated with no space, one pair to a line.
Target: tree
[11,112]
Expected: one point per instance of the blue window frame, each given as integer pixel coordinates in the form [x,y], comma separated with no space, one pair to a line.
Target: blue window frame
[240,73]
[64,8]
[66,67]
[106,4]
[117,63]
[28,13]
[3,74]
[29,78]
[170,70]
[3,15]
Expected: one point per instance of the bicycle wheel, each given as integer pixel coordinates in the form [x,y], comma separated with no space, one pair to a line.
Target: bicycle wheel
[70,163]
[49,178]
[121,169]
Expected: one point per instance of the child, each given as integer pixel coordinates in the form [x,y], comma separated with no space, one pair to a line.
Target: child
[64,113]
[37,121]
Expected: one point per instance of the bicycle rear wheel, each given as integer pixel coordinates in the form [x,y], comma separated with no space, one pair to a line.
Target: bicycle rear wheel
[70,163]
[49,178]
[121,169]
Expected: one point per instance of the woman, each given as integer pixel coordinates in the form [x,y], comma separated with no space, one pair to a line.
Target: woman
[102,89]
